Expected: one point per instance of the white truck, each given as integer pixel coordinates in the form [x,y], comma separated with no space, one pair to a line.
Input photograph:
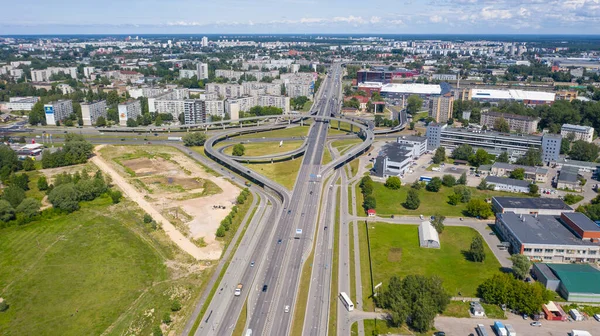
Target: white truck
[238,290]
[175,138]
[500,329]
[510,329]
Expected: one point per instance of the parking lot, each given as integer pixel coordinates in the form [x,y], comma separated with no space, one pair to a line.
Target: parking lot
[466,326]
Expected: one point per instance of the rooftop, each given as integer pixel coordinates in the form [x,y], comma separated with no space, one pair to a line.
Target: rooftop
[507,181]
[568,174]
[414,138]
[395,152]
[580,128]
[546,271]
[582,221]
[518,95]
[528,169]
[532,203]
[541,229]
[578,278]
[428,89]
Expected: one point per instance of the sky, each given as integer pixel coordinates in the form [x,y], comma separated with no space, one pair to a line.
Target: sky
[300,16]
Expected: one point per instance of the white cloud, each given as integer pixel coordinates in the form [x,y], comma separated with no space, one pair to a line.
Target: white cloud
[436,18]
[489,13]
[375,19]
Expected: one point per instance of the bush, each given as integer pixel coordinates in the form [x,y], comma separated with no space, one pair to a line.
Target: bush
[3,306]
[417,185]
[167,318]
[220,231]
[30,207]
[448,180]
[175,306]
[572,198]
[115,196]
[434,185]
[479,208]
[64,197]
[7,212]
[393,182]
[147,218]
[42,183]
[156,331]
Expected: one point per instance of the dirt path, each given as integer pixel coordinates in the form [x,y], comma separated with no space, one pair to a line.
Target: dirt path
[177,237]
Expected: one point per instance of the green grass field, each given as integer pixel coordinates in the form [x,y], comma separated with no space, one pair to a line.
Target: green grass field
[389,202]
[284,172]
[266,148]
[84,272]
[280,133]
[395,251]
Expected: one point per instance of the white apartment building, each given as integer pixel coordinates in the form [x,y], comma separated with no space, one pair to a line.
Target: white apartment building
[58,111]
[130,109]
[16,73]
[21,103]
[91,111]
[585,133]
[148,92]
[259,88]
[229,74]
[215,108]
[276,101]
[202,70]
[44,75]
[225,90]
[204,42]
[184,73]
[234,106]
[88,71]
[294,90]
[173,107]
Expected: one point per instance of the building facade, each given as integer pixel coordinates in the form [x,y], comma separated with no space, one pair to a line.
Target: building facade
[58,111]
[194,111]
[441,107]
[202,71]
[578,132]
[508,184]
[215,108]
[130,109]
[530,205]
[416,144]
[45,74]
[91,111]
[516,123]
[185,73]
[21,103]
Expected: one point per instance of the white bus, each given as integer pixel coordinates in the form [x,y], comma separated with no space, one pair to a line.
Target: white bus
[346,301]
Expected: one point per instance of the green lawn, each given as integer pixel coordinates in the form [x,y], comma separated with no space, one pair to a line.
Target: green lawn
[280,133]
[380,327]
[266,148]
[461,309]
[326,156]
[395,251]
[80,273]
[307,106]
[284,172]
[389,202]
[345,145]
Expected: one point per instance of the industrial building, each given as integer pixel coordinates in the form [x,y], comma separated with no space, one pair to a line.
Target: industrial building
[493,142]
[578,132]
[395,158]
[574,282]
[21,103]
[517,123]
[384,76]
[568,238]
[424,91]
[530,206]
[91,111]
[521,96]
[58,111]
[508,184]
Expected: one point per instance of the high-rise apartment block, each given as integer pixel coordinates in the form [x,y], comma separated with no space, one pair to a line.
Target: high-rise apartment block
[184,73]
[46,74]
[58,111]
[130,109]
[91,111]
[516,123]
[441,107]
[194,111]
[202,70]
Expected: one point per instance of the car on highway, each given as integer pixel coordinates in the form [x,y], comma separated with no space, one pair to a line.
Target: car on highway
[286,309]
[265,288]
[252,264]
[279,241]
[535,324]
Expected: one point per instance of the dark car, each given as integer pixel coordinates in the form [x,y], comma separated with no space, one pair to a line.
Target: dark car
[265,288]
[279,241]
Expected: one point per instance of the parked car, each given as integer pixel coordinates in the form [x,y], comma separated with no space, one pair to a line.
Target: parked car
[535,324]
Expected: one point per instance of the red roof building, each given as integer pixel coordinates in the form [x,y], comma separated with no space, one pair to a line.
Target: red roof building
[371,213]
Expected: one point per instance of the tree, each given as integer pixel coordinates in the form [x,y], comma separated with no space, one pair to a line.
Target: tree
[20,180]
[414,104]
[565,146]
[7,212]
[112,98]
[501,125]
[194,139]
[369,202]
[476,250]
[412,199]
[434,185]
[64,197]
[479,208]
[28,164]
[158,121]
[462,180]
[482,185]
[503,157]
[132,123]
[583,151]
[42,183]
[440,155]
[411,125]
[393,182]
[115,196]
[533,157]
[533,189]
[101,121]
[462,152]
[480,157]
[29,207]
[521,265]
[220,231]
[238,150]
[13,195]
[175,306]
[463,192]
[366,185]
[438,222]
[417,185]
[9,161]
[448,180]
[518,174]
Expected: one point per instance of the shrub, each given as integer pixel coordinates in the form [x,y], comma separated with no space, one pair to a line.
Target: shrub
[147,218]
[175,306]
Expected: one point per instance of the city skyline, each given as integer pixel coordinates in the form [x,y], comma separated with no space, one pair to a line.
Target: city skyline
[304,16]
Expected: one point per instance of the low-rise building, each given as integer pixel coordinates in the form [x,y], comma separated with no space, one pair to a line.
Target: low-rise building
[516,123]
[508,184]
[579,283]
[416,144]
[530,206]
[428,235]
[394,159]
[497,96]
[537,174]
[130,109]
[21,103]
[91,111]
[568,178]
[578,132]
[185,73]
[550,238]
[58,111]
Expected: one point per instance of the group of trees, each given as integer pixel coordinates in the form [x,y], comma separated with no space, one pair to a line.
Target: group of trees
[385,122]
[440,155]
[239,150]
[298,102]
[479,208]
[524,297]
[76,150]
[258,111]
[462,194]
[477,158]
[414,300]
[194,139]
[228,221]
[14,205]
[366,188]
[69,189]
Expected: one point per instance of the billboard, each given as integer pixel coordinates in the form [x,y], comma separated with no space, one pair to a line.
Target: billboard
[49,111]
